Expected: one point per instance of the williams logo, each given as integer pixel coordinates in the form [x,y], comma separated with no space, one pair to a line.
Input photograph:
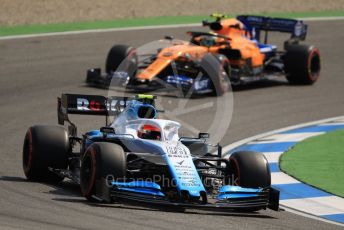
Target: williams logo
[181,162]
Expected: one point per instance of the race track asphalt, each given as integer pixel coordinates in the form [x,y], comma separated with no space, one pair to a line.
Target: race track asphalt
[34,71]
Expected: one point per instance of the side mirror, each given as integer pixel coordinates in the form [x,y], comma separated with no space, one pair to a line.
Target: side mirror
[203,135]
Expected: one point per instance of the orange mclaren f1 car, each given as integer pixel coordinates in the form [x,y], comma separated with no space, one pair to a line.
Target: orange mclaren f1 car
[232,52]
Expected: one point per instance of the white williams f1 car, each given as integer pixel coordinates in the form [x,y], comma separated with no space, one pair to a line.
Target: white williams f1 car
[141,158]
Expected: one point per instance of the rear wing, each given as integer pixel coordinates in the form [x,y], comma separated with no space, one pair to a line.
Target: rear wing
[255,24]
[95,105]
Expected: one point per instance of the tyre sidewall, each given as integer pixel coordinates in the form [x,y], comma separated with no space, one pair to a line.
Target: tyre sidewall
[106,159]
[298,61]
[121,58]
[45,147]
[251,168]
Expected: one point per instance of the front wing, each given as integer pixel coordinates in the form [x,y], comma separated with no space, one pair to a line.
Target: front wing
[150,194]
[264,200]
[169,83]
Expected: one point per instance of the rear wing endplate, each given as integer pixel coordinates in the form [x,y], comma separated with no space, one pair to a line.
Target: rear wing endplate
[255,24]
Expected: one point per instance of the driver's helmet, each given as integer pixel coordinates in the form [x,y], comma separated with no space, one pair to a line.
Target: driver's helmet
[149,131]
[208,41]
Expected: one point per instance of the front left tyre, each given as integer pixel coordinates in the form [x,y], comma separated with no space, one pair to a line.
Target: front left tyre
[45,147]
[250,169]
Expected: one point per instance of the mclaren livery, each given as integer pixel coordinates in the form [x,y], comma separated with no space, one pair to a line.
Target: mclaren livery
[236,50]
[140,158]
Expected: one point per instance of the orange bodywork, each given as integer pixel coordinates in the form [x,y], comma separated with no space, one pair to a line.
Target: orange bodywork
[234,29]
[169,54]
[248,50]
[231,28]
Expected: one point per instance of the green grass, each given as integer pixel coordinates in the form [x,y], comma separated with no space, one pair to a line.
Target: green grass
[318,161]
[62,27]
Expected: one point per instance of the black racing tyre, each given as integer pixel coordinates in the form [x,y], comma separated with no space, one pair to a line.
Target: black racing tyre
[44,147]
[116,56]
[101,159]
[217,68]
[302,64]
[250,169]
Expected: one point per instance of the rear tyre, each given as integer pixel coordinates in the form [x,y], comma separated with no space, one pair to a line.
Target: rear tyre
[217,69]
[45,147]
[250,169]
[101,160]
[302,64]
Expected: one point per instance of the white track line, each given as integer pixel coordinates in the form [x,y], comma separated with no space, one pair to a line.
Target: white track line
[336,123]
[293,137]
[273,157]
[282,178]
[317,205]
[99,31]
[227,148]
[322,18]
[141,28]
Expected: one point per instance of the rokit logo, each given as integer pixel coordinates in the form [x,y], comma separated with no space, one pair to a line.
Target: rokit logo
[84,104]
